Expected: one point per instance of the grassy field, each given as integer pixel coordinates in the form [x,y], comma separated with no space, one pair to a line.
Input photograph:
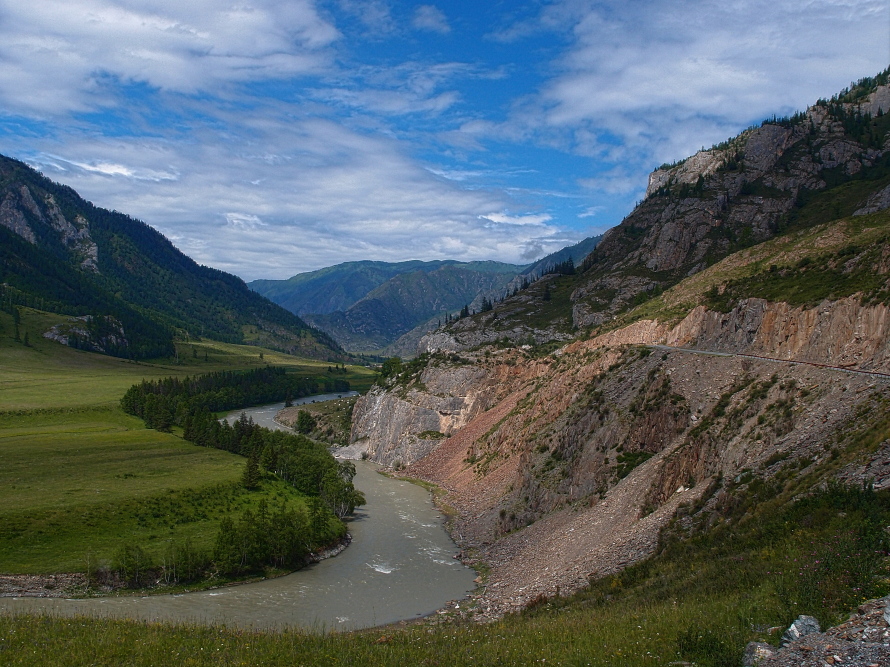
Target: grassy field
[80,478]
[81,483]
[49,375]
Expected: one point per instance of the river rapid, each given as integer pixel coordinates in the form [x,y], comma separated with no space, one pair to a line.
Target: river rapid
[399,566]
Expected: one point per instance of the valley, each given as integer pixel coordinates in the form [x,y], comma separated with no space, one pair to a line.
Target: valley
[655,455]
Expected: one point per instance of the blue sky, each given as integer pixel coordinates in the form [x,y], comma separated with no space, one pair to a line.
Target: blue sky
[269,137]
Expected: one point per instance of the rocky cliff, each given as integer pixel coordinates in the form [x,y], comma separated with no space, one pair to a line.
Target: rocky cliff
[567,467]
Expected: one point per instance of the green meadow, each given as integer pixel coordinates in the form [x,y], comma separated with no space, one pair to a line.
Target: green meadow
[47,375]
[80,479]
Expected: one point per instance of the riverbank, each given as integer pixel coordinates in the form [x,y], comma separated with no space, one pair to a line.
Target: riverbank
[75,584]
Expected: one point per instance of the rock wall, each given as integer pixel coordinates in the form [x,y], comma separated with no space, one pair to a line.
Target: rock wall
[389,425]
[839,333]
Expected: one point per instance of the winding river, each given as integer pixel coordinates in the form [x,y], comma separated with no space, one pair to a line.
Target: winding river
[399,566]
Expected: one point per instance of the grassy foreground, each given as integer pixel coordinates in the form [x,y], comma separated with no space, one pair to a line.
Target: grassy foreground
[678,607]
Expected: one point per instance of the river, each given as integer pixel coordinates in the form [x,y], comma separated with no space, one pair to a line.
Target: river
[399,566]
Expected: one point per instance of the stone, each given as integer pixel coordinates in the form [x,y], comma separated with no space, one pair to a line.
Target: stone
[755,652]
[803,626]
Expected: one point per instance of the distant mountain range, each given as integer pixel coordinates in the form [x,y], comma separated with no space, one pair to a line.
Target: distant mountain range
[130,289]
[370,306]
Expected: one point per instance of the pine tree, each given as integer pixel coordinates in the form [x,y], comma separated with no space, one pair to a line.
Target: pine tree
[250,479]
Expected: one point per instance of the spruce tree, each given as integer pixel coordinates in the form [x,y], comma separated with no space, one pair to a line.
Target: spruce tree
[250,479]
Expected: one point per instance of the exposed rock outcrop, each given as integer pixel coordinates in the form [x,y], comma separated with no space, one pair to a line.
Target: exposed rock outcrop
[861,641]
[571,464]
[19,205]
[404,424]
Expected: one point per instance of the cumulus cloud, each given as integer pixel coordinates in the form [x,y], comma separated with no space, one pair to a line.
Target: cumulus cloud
[430,17]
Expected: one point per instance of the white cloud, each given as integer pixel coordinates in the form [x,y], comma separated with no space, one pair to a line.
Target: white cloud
[430,17]
[244,220]
[592,212]
[276,196]
[521,220]
[642,83]
[263,142]
[110,169]
[60,55]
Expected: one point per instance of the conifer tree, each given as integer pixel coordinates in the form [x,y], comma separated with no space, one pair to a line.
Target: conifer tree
[250,479]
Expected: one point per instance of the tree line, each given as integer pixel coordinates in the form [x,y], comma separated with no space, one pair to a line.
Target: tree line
[270,537]
[163,403]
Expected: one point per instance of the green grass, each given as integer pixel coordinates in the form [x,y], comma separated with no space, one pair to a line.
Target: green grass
[48,374]
[79,476]
[78,482]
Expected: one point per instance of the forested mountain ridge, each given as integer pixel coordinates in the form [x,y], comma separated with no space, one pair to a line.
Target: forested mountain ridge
[63,254]
[337,288]
[407,300]
[367,306]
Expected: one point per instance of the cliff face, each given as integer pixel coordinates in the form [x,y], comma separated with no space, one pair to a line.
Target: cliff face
[403,424]
[569,467]
[45,223]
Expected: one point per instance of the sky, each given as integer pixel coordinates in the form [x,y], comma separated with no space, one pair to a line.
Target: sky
[272,137]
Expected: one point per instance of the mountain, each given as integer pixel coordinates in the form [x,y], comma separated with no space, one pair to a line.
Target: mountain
[577,253]
[367,306]
[129,286]
[786,174]
[721,355]
[338,287]
[414,299]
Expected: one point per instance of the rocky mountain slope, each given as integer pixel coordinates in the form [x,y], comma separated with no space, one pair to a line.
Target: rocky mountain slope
[826,163]
[706,352]
[128,285]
